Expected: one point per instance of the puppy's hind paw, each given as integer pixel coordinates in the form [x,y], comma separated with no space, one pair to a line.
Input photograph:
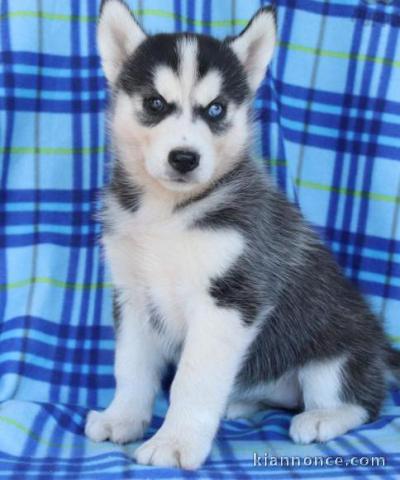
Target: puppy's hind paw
[325,424]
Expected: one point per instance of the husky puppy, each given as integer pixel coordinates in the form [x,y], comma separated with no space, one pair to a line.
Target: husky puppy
[214,270]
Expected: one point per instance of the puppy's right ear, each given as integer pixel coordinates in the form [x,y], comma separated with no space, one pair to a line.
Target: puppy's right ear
[118,36]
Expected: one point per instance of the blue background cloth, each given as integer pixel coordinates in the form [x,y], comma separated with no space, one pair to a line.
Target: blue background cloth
[328,130]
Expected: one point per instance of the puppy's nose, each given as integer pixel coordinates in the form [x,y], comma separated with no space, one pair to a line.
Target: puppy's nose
[183,161]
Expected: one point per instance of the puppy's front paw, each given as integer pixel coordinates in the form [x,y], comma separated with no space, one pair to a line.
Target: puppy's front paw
[165,450]
[121,428]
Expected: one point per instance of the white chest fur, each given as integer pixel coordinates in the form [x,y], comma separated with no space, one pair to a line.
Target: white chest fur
[158,253]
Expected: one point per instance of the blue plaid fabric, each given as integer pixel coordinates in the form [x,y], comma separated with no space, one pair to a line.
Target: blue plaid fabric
[328,125]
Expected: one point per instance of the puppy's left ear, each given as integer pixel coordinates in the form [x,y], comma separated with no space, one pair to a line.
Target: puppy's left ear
[255,45]
[118,36]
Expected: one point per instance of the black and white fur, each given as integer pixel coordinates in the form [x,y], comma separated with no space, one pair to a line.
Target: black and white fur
[214,269]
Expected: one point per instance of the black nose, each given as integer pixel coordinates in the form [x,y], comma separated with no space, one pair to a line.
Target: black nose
[183,161]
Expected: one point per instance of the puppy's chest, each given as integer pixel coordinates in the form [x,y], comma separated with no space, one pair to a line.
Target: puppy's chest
[173,262]
[174,255]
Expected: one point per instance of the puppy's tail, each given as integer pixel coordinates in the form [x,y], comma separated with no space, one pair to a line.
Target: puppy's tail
[393,363]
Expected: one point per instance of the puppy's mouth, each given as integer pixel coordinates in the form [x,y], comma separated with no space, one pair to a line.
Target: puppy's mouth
[181,179]
[179,183]
[186,178]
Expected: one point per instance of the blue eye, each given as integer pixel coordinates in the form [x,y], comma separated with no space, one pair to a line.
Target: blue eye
[155,104]
[215,111]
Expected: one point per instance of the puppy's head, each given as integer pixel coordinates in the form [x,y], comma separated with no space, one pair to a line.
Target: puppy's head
[181,109]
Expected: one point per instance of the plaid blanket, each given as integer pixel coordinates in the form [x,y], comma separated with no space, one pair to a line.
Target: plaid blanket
[328,128]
